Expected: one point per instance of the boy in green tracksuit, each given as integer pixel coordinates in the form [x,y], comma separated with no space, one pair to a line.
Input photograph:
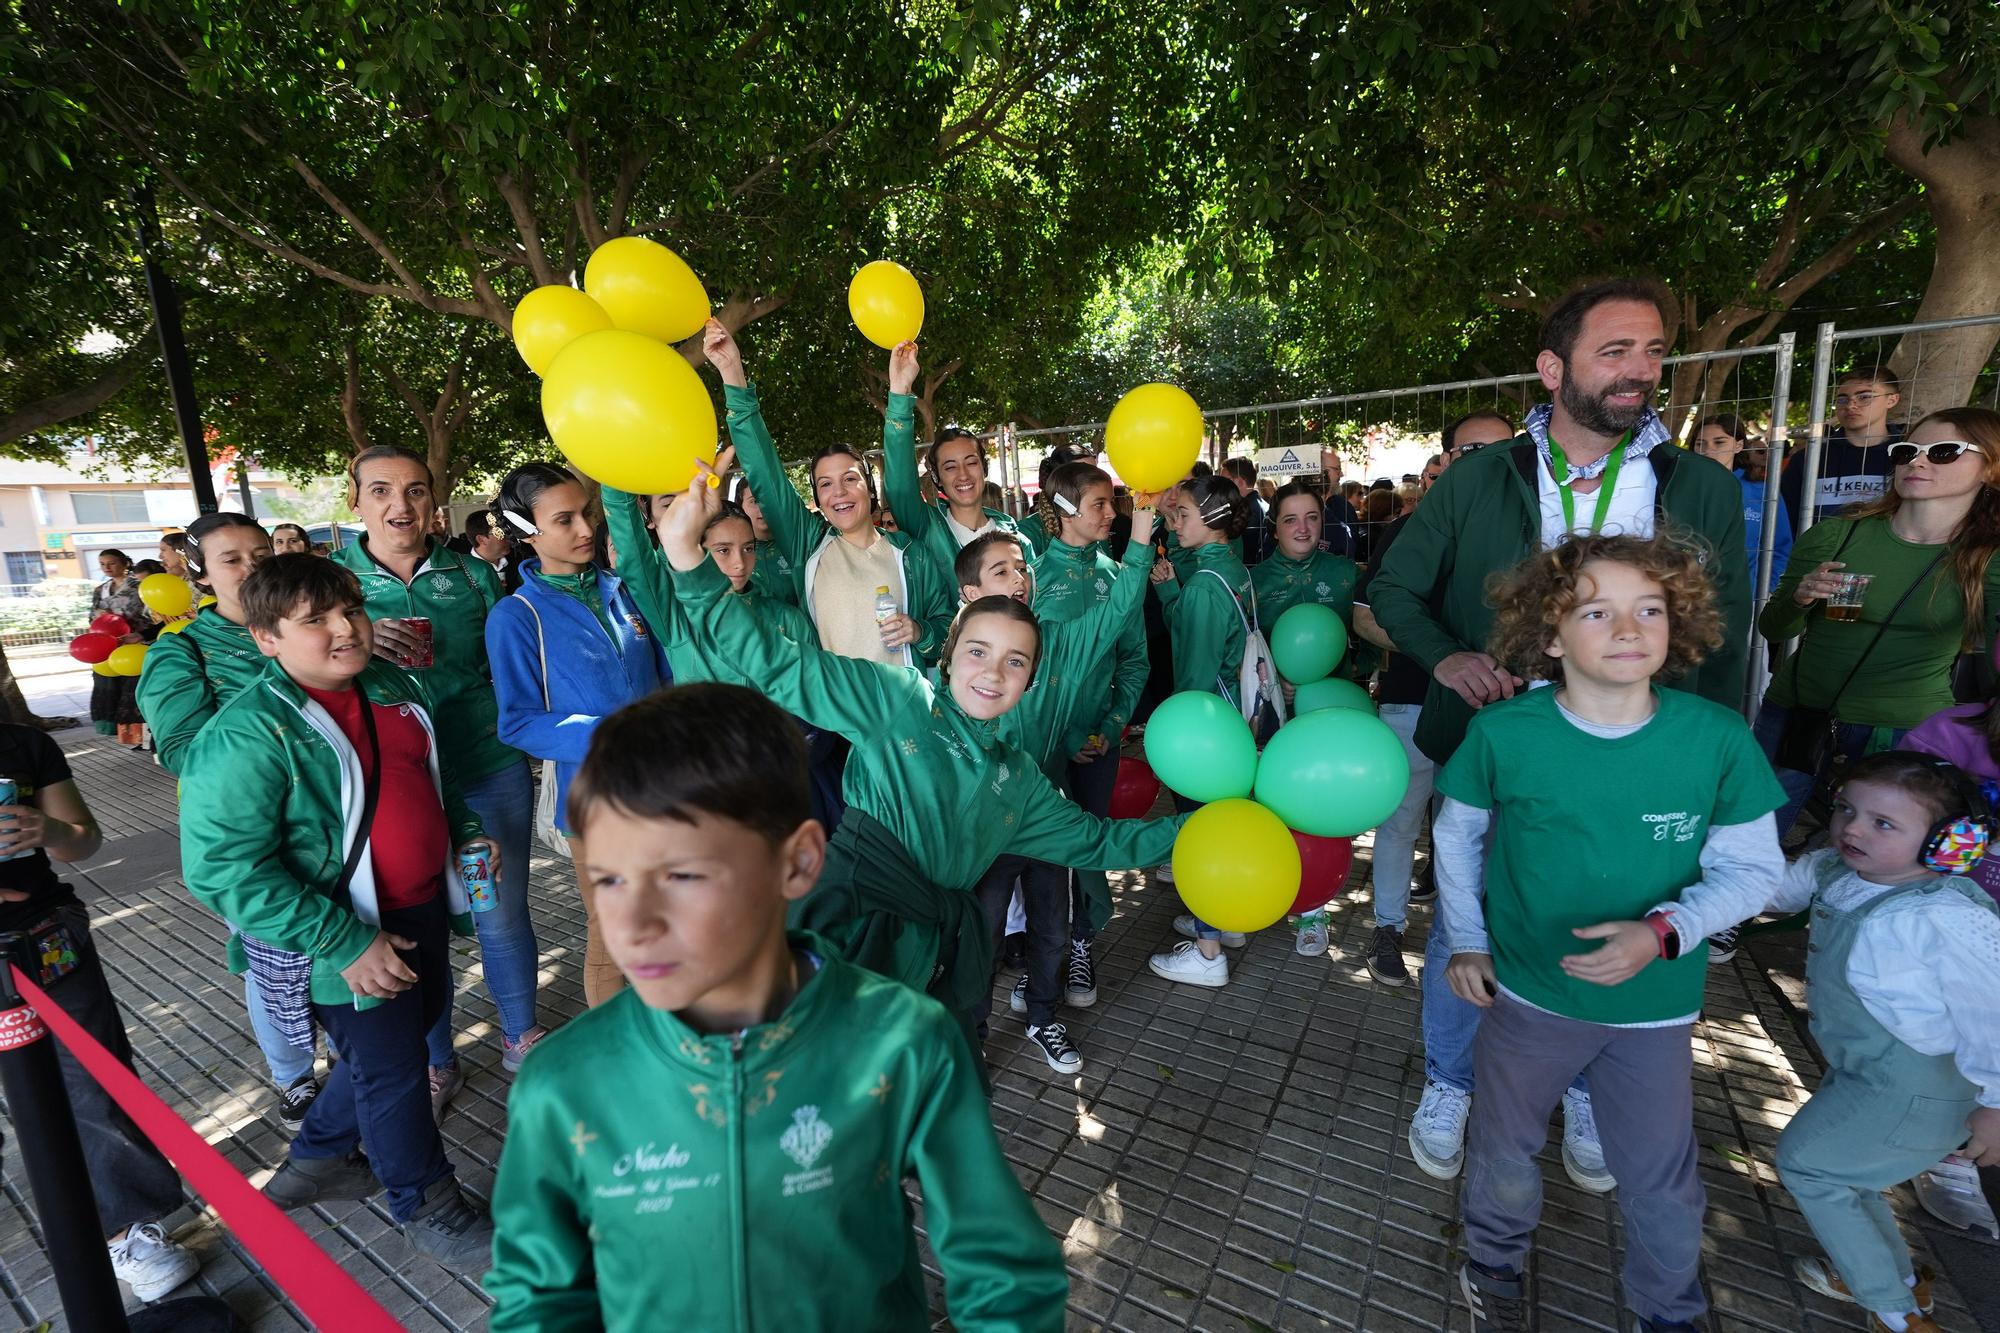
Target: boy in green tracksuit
[320,817]
[746,1170]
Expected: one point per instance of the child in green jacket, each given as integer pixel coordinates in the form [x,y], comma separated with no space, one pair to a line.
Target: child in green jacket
[320,818]
[957,464]
[746,1170]
[188,675]
[935,793]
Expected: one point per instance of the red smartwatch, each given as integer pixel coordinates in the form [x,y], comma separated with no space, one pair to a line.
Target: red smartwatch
[1664,932]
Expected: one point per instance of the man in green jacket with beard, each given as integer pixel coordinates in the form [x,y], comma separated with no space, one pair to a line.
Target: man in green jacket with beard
[746,1169]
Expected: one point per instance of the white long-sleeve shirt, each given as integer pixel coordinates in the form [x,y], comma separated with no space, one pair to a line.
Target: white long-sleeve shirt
[1927,969]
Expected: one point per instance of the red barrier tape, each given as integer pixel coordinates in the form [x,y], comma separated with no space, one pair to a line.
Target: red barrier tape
[321,1289]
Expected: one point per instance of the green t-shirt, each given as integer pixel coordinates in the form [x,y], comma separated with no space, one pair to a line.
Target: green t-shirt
[1908,675]
[1589,829]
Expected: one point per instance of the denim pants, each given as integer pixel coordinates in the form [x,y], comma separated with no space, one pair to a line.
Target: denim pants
[133,1181]
[379,1093]
[288,1063]
[1770,726]
[1642,1084]
[508,954]
[1202,930]
[1396,839]
[1045,897]
[1090,786]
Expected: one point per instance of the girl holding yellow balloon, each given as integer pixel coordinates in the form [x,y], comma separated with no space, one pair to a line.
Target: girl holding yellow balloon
[113,707]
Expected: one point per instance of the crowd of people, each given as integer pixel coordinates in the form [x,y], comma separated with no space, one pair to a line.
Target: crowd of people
[819,780]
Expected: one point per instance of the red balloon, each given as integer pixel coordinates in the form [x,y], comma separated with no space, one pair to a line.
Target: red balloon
[1323,867]
[113,624]
[93,646]
[1136,789]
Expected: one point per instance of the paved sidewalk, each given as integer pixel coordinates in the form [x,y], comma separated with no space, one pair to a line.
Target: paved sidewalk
[1228,1160]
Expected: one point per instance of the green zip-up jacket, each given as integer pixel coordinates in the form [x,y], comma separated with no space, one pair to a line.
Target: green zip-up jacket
[1207,626]
[1033,530]
[650,580]
[270,803]
[903,492]
[800,535]
[455,591]
[1282,583]
[1485,516]
[750,1182]
[1073,674]
[1069,581]
[772,575]
[189,675]
[947,786]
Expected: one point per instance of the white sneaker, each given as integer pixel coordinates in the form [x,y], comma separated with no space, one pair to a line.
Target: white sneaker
[149,1263]
[1437,1130]
[1184,925]
[1185,963]
[1162,874]
[1017,999]
[1314,936]
[1583,1154]
[1950,1192]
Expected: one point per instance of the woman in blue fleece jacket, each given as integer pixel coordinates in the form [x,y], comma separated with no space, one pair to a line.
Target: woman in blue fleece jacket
[568,649]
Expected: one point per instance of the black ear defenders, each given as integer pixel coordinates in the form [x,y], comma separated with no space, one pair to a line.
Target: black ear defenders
[1956,843]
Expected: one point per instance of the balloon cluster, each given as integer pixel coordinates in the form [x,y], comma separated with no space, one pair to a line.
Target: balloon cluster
[1276,831]
[99,647]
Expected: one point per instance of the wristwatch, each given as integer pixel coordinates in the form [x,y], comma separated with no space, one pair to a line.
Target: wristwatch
[1664,932]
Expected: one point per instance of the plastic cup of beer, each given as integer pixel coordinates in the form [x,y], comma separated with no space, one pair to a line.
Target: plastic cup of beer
[1844,602]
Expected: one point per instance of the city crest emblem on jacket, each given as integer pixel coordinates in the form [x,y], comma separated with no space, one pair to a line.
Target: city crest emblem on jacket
[807,1138]
[440,583]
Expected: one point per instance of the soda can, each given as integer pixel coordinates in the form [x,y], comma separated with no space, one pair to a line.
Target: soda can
[10,794]
[475,867]
[420,628]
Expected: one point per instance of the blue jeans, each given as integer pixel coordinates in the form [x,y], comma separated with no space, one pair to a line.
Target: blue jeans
[379,1093]
[1770,727]
[288,1062]
[505,804]
[1396,839]
[1202,930]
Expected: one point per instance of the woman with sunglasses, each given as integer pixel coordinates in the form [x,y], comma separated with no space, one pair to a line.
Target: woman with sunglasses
[1927,546]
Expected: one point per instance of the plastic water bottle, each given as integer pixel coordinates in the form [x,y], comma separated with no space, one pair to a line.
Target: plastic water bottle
[885,605]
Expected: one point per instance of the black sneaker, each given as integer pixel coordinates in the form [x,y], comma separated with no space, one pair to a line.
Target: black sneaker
[303,1180]
[1385,957]
[298,1099]
[1080,991]
[1053,1038]
[1425,890]
[1498,1301]
[1017,999]
[1722,946]
[452,1229]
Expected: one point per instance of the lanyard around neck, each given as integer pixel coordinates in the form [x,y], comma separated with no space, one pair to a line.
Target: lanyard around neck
[1559,463]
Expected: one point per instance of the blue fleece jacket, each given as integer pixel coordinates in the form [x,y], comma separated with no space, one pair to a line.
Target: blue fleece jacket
[590,676]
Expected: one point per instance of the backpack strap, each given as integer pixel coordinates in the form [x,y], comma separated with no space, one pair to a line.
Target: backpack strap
[541,646]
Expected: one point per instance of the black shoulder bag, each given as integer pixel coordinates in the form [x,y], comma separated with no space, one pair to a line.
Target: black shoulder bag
[1810,742]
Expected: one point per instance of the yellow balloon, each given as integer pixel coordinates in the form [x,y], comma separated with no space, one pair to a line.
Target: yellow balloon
[1154,436]
[629,411]
[886,302]
[1236,865]
[550,319]
[646,288]
[207,601]
[175,626]
[165,595]
[104,668]
[127,658]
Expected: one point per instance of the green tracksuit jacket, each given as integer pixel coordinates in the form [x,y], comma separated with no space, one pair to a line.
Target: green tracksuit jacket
[1485,516]
[738,1183]
[189,675]
[1207,626]
[1282,583]
[1034,530]
[773,576]
[650,580]
[903,492]
[455,591]
[1069,581]
[948,787]
[800,535]
[270,802]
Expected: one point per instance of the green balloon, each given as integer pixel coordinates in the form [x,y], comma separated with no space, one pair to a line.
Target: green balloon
[1201,747]
[1333,773]
[1330,693]
[1308,642]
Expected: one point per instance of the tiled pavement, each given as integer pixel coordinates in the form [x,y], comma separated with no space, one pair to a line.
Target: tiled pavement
[1228,1160]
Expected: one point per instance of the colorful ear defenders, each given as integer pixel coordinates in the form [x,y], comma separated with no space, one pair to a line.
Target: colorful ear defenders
[1956,843]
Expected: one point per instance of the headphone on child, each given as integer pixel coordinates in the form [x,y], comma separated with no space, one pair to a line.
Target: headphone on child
[1956,843]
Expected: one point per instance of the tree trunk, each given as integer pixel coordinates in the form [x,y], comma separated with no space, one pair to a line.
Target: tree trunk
[1962,190]
[14,705]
